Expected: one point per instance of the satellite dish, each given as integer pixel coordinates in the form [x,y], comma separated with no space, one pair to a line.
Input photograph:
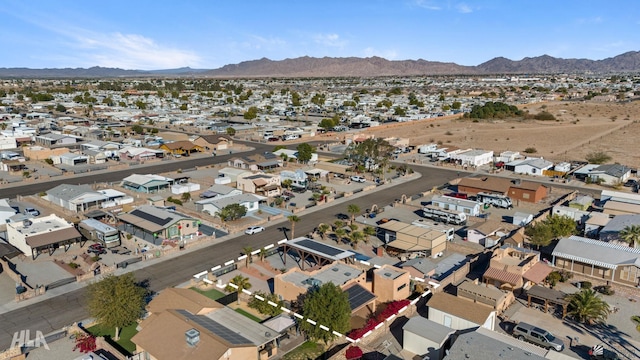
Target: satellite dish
[267,334]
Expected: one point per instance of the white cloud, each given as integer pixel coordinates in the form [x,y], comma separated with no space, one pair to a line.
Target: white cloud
[464,8]
[331,40]
[427,4]
[388,54]
[261,42]
[589,21]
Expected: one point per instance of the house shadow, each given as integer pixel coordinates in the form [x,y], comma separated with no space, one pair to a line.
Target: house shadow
[507,219]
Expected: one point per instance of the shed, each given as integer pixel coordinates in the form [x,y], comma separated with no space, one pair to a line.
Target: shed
[425,337]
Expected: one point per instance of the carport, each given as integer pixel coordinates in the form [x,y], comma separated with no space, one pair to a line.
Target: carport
[548,296]
[321,254]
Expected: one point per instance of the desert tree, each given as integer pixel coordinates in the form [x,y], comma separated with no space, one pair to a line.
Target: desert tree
[241,283]
[116,301]
[327,305]
[587,307]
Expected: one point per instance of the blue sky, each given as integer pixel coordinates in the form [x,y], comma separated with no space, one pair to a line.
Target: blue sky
[159,34]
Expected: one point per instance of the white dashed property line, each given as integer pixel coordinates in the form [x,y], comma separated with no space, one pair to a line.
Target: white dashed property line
[414,301]
[365,262]
[324,328]
[426,293]
[229,263]
[272,303]
[216,267]
[336,333]
[298,316]
[207,281]
[379,326]
[435,285]
[377,266]
[268,247]
[258,297]
[390,317]
[350,339]
[233,285]
[240,258]
[367,333]
[418,279]
[311,322]
[285,309]
[198,275]
[282,241]
[221,286]
[246,291]
[403,309]
[255,251]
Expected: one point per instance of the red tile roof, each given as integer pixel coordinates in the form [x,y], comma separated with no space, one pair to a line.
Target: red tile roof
[538,272]
[503,276]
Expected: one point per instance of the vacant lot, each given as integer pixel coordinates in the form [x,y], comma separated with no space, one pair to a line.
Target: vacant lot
[579,128]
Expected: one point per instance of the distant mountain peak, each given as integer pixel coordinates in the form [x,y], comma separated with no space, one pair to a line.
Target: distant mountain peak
[373,66]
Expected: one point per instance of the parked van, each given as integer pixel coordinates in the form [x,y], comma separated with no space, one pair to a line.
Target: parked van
[538,336]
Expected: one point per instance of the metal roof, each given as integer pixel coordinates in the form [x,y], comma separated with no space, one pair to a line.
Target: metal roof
[594,252]
[314,247]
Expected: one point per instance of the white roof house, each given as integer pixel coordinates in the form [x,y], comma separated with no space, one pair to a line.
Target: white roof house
[530,166]
[474,157]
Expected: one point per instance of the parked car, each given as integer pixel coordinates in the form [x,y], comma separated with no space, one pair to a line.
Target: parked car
[458,195]
[31,211]
[536,335]
[254,230]
[357,178]
[630,183]
[97,249]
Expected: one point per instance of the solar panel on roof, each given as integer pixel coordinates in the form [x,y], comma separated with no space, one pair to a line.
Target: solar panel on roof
[154,219]
[322,248]
[215,328]
[358,296]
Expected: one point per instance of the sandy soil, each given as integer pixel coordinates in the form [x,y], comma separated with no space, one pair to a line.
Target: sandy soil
[580,128]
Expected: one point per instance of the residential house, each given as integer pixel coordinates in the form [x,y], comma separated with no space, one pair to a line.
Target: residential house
[581,202]
[514,268]
[295,282]
[619,203]
[407,238]
[45,233]
[72,159]
[146,183]
[473,157]
[266,185]
[610,262]
[574,213]
[139,153]
[213,205]
[391,283]
[77,198]
[293,154]
[460,314]
[52,139]
[485,294]
[155,224]
[610,174]
[41,153]
[529,166]
[508,156]
[185,325]
[594,223]
[182,148]
[219,191]
[256,162]
[425,337]
[297,178]
[611,231]
[420,267]
[516,189]
[469,207]
[214,142]
[233,174]
[95,156]
[521,218]
[487,233]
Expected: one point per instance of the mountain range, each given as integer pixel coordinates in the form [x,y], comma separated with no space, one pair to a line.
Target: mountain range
[354,67]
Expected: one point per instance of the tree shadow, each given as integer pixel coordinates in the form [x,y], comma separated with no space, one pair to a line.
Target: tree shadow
[609,335]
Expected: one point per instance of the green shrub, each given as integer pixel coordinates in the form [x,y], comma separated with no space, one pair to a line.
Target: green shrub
[586,284]
[73,265]
[553,278]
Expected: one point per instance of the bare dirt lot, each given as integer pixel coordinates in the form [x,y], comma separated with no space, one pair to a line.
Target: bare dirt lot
[579,128]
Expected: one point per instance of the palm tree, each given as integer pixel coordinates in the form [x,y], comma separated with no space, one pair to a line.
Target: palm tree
[323,229]
[338,224]
[293,219]
[241,282]
[353,209]
[369,231]
[587,307]
[247,251]
[262,254]
[631,234]
[340,234]
[355,237]
[353,227]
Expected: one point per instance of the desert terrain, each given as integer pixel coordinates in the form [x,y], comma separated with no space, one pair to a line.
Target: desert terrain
[579,128]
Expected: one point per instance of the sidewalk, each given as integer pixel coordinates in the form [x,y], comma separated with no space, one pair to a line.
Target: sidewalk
[4,308]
